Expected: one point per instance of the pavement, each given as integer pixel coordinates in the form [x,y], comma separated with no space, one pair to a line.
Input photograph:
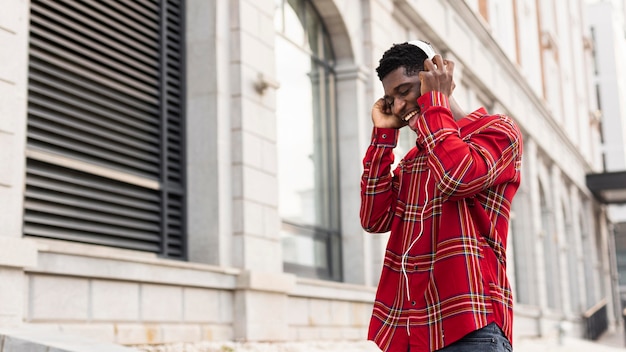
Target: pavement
[567,344]
[609,343]
[30,341]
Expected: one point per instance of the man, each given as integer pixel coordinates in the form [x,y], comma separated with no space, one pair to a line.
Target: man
[443,285]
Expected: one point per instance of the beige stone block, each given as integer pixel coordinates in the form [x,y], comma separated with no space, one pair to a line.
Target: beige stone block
[12,287]
[262,306]
[292,333]
[58,298]
[208,306]
[160,303]
[201,305]
[253,219]
[256,118]
[309,334]
[266,32]
[269,156]
[11,56]
[271,222]
[12,109]
[260,186]
[9,155]
[341,313]
[298,311]
[361,314]
[181,333]
[261,254]
[17,252]
[266,332]
[261,316]
[14,17]
[214,332]
[353,333]
[114,301]
[98,332]
[252,148]
[331,333]
[227,307]
[320,313]
[137,334]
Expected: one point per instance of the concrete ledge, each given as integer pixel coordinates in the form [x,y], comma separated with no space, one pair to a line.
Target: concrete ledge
[264,281]
[23,340]
[97,262]
[312,288]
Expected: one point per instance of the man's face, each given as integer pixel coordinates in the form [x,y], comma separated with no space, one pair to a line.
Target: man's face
[401,93]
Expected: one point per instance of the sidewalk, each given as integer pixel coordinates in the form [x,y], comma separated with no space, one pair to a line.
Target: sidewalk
[568,345]
[522,345]
[611,341]
[614,338]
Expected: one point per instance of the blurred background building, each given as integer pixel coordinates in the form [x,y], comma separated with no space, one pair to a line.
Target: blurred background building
[189,170]
[608,28]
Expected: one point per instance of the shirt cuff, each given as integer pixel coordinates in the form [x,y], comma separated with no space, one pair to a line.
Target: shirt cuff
[433,98]
[435,121]
[385,137]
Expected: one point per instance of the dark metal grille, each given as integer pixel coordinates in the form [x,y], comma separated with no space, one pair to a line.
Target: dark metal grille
[596,320]
[106,90]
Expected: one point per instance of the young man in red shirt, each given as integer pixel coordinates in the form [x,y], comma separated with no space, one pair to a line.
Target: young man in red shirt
[443,285]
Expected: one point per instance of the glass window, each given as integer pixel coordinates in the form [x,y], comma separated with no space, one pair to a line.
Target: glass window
[306,143]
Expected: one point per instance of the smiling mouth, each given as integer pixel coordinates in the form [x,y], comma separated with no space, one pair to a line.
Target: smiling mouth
[408,116]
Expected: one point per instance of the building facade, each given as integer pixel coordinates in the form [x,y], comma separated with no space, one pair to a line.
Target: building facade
[608,26]
[190,170]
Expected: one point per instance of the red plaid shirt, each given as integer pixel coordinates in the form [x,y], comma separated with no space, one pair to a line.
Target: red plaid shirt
[447,206]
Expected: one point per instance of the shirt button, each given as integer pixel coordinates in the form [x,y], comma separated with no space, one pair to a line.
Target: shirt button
[384,135]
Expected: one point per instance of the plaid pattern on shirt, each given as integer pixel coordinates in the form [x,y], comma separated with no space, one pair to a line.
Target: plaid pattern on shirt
[447,206]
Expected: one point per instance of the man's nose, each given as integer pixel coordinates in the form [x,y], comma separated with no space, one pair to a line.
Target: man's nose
[398,106]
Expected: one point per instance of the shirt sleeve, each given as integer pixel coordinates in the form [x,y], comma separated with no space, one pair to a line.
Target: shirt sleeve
[463,167]
[379,189]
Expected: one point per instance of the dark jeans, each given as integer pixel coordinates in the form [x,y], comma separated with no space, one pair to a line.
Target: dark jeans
[488,339]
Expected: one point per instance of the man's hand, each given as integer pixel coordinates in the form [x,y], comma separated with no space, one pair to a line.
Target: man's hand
[382,116]
[437,76]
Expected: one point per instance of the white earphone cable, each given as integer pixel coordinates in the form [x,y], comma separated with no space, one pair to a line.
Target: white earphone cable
[406,253]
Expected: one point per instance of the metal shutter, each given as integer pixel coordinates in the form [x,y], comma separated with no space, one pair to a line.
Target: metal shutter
[105,134]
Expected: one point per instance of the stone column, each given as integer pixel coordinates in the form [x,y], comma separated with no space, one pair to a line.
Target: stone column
[208,133]
[261,294]
[354,129]
[562,245]
[16,253]
[532,160]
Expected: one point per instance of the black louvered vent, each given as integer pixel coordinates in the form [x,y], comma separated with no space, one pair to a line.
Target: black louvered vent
[106,93]
[173,109]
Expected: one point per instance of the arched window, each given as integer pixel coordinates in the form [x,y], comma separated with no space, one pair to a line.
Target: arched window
[306,142]
[550,251]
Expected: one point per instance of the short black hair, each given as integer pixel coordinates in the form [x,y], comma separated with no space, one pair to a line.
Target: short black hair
[404,55]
